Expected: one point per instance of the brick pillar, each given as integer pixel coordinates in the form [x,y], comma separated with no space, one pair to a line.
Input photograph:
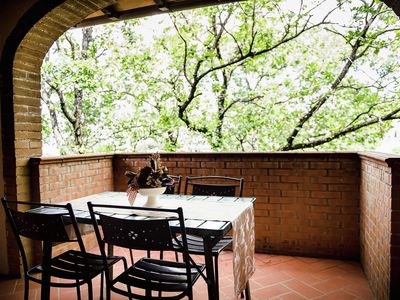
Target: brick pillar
[21,108]
[395,234]
[380,223]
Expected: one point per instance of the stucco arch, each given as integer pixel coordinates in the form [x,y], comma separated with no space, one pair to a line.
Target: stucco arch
[39,28]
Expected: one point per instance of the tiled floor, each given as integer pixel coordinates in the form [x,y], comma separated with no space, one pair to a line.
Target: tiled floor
[276,277]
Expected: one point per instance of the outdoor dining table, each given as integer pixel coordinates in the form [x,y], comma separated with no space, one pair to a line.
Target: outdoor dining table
[209,217]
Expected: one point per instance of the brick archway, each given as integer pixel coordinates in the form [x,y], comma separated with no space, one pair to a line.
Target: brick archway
[21,111]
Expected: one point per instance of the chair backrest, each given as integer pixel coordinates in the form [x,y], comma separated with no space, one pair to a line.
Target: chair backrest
[139,228]
[137,234]
[214,186]
[41,222]
[176,187]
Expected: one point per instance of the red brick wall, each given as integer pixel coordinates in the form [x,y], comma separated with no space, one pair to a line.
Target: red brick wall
[380,224]
[307,203]
[64,178]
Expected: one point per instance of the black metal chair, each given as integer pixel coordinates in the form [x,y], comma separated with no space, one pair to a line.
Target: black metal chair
[133,228]
[212,186]
[176,187]
[50,223]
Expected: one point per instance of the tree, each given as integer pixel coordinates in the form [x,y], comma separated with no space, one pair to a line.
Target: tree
[261,47]
[248,76]
[370,101]
[84,93]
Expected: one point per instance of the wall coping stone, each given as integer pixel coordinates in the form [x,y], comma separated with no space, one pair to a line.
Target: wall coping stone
[382,158]
[379,157]
[275,153]
[70,158]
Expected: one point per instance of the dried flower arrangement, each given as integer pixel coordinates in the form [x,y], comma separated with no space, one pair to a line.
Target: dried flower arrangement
[151,176]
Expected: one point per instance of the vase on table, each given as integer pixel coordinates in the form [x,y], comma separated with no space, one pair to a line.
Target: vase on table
[152,195]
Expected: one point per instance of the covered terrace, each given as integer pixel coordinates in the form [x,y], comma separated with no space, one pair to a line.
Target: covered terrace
[332,205]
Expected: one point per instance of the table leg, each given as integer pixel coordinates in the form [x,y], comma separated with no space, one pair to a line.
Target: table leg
[213,294]
[247,291]
[45,288]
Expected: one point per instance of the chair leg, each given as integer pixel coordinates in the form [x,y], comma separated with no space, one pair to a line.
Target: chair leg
[26,288]
[247,291]
[131,255]
[108,292]
[90,290]
[78,291]
[101,285]
[216,273]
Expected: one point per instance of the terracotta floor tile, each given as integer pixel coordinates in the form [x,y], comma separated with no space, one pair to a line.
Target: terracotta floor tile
[276,277]
[337,295]
[277,259]
[324,264]
[8,286]
[19,295]
[360,291]
[292,296]
[331,272]
[309,260]
[270,291]
[302,289]
[270,279]
[306,278]
[331,284]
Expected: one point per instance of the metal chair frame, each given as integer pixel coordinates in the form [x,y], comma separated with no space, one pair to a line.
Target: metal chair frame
[137,230]
[203,185]
[176,188]
[49,227]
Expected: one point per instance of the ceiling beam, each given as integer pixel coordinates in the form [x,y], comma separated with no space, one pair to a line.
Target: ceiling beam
[152,10]
[162,5]
[393,4]
[111,13]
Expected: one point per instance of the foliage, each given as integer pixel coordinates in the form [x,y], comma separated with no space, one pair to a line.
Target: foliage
[248,76]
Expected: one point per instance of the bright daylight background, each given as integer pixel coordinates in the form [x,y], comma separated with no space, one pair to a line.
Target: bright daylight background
[130,82]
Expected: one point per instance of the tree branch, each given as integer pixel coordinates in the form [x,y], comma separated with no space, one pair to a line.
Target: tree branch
[185,49]
[317,142]
[63,104]
[324,98]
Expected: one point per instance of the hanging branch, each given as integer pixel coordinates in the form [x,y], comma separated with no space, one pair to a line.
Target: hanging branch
[198,76]
[325,97]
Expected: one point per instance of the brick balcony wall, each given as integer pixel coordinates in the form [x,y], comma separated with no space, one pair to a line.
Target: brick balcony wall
[339,205]
[58,179]
[380,224]
[307,203]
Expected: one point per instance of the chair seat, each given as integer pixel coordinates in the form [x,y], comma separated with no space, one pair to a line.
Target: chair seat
[71,265]
[196,245]
[157,275]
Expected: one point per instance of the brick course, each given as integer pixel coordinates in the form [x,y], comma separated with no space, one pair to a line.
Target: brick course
[62,179]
